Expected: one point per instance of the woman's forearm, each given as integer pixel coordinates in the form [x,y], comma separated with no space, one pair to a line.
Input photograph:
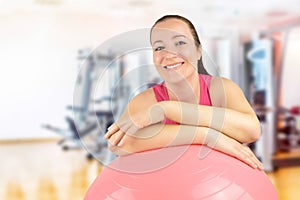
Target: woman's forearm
[160,136]
[244,127]
[164,135]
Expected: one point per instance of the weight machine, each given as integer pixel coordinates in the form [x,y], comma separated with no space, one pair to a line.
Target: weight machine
[103,88]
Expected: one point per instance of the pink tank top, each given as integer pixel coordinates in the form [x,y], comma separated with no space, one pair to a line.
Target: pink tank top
[161,93]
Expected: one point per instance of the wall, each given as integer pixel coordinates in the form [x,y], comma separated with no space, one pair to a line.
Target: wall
[39,65]
[291,70]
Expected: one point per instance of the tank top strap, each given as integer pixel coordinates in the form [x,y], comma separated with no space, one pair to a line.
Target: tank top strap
[161,93]
[204,90]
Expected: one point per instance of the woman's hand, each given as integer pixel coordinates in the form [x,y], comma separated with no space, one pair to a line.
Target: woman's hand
[223,143]
[113,145]
[130,123]
[114,136]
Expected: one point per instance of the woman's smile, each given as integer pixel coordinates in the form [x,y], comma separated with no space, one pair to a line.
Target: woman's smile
[174,66]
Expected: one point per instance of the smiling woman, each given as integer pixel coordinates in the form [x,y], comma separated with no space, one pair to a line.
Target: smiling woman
[186,99]
[170,38]
[164,127]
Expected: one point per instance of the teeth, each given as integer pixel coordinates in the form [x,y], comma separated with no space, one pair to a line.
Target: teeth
[173,66]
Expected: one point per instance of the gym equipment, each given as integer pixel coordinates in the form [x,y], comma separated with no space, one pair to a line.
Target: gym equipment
[181,172]
[289,133]
[104,85]
[86,127]
[96,145]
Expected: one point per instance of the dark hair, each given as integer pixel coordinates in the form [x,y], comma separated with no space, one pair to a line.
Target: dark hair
[200,66]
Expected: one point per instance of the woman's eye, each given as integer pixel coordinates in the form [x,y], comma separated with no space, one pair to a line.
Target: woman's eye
[159,48]
[180,43]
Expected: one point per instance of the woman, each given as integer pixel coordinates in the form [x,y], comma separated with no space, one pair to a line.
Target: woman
[188,107]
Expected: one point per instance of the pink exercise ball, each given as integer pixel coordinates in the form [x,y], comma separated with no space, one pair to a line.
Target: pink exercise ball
[183,173]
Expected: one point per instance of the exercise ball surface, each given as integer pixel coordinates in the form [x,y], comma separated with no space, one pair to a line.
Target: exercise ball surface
[185,173]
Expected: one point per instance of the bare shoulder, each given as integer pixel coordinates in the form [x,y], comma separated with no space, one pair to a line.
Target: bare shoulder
[222,89]
[217,81]
[143,100]
[217,91]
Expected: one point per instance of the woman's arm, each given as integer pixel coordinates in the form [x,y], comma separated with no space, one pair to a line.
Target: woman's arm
[244,127]
[148,137]
[160,136]
[231,113]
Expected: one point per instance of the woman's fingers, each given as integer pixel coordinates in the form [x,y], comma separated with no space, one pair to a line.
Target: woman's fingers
[232,147]
[253,158]
[122,141]
[247,156]
[112,126]
[117,138]
[116,133]
[111,130]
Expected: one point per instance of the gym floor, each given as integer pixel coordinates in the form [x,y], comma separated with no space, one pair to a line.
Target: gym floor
[41,170]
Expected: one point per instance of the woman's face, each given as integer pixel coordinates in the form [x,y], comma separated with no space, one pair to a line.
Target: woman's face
[175,54]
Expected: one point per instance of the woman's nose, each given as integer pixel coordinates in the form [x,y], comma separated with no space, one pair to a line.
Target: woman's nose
[170,53]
